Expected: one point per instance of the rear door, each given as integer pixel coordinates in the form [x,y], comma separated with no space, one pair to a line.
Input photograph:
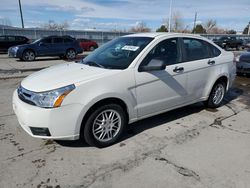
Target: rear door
[158,91]
[57,47]
[201,59]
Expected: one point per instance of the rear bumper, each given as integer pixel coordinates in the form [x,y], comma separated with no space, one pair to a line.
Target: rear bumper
[62,122]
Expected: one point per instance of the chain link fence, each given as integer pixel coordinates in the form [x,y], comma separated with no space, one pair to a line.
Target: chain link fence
[100,37]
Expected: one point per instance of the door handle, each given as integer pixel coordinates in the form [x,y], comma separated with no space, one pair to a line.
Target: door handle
[211,62]
[178,69]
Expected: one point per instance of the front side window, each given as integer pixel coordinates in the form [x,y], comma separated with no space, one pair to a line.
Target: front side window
[195,49]
[118,53]
[165,51]
[47,40]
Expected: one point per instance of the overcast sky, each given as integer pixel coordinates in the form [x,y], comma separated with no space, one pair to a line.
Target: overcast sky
[123,14]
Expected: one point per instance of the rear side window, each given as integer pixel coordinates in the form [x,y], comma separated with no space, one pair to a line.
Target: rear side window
[68,40]
[20,38]
[196,49]
[58,40]
[11,39]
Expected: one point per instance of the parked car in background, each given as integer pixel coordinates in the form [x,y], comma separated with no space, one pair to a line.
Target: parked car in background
[229,42]
[62,46]
[246,43]
[128,79]
[87,45]
[6,41]
[243,64]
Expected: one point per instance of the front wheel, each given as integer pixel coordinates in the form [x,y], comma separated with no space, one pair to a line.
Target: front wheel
[105,125]
[71,54]
[216,96]
[28,55]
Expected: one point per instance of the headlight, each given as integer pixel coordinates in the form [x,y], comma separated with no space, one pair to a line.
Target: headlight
[48,99]
[15,48]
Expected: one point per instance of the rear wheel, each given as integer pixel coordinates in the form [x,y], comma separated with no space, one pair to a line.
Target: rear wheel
[28,55]
[216,96]
[105,125]
[91,48]
[71,54]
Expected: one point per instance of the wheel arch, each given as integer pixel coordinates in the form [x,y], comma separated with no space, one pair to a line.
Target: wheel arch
[224,78]
[109,100]
[26,49]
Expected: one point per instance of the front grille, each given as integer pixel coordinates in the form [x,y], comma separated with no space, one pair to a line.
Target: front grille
[25,95]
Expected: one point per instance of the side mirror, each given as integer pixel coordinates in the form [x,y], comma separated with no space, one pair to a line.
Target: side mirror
[153,65]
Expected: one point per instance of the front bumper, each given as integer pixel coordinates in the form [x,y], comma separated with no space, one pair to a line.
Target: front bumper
[12,53]
[62,122]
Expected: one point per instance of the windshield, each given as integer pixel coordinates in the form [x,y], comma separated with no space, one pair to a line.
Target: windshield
[118,53]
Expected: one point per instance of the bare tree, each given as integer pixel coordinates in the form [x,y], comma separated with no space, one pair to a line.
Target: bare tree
[209,25]
[5,21]
[177,22]
[140,27]
[52,25]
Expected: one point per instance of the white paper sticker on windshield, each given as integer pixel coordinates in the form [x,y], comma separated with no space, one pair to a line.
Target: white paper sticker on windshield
[130,48]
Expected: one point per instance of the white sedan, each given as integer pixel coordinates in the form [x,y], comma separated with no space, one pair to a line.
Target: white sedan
[128,79]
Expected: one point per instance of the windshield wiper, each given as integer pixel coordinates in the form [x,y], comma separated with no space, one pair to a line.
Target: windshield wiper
[92,63]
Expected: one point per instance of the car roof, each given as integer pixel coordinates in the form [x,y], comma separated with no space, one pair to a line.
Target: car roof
[163,34]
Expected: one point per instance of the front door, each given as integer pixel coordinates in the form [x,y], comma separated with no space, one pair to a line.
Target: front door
[158,91]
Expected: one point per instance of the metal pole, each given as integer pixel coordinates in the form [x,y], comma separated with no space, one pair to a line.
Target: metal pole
[170,16]
[248,32]
[21,13]
[195,18]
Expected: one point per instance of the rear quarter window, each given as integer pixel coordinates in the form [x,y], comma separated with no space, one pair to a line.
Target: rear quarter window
[214,51]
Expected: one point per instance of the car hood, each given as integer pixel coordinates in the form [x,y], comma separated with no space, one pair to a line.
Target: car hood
[62,75]
[24,46]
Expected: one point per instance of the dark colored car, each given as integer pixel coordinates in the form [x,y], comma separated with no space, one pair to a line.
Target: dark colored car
[62,46]
[87,45]
[6,41]
[243,64]
[246,43]
[229,42]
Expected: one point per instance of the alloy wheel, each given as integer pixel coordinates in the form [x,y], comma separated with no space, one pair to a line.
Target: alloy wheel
[106,125]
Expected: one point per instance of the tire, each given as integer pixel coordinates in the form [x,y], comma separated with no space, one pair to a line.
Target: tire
[70,54]
[28,55]
[99,130]
[92,48]
[219,90]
